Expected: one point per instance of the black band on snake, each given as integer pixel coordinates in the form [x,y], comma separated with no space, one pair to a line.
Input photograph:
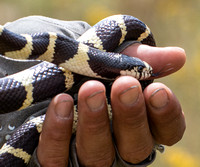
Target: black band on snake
[92,55]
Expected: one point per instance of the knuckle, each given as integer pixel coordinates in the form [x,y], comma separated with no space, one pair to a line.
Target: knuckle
[97,158]
[98,162]
[95,122]
[56,135]
[54,162]
[138,155]
[96,127]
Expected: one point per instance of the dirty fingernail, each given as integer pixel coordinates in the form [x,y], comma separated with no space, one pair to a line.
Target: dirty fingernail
[159,98]
[96,101]
[63,109]
[130,95]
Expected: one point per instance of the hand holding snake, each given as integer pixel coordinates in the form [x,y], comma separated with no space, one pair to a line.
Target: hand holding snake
[166,73]
[126,144]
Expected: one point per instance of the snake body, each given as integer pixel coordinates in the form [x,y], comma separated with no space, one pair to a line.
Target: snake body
[92,55]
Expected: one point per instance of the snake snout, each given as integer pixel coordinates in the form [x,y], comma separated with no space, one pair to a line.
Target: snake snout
[145,71]
[138,72]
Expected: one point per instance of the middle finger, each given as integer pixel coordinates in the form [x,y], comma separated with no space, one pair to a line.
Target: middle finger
[93,137]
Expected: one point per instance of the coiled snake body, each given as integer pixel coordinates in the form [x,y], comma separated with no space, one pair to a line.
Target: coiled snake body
[92,55]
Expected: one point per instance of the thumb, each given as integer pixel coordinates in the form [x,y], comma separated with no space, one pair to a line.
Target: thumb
[164,60]
[53,148]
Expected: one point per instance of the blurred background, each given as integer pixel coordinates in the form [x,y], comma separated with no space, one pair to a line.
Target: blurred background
[173,23]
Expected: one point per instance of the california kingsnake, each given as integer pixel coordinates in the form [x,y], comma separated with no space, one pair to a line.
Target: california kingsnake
[92,55]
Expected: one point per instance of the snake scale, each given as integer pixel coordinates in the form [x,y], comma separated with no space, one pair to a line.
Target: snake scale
[92,56]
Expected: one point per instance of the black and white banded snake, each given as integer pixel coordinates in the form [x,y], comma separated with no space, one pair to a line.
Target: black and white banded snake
[92,55]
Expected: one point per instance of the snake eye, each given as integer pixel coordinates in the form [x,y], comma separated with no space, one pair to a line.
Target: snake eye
[140,69]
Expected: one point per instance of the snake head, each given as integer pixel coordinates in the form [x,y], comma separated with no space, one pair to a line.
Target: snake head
[145,71]
[140,72]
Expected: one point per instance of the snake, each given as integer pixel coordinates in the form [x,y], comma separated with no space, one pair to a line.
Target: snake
[64,63]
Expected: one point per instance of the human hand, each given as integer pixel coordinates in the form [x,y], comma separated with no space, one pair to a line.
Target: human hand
[140,119]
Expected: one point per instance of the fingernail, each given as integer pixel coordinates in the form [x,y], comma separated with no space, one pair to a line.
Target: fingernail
[159,98]
[63,109]
[130,95]
[96,100]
